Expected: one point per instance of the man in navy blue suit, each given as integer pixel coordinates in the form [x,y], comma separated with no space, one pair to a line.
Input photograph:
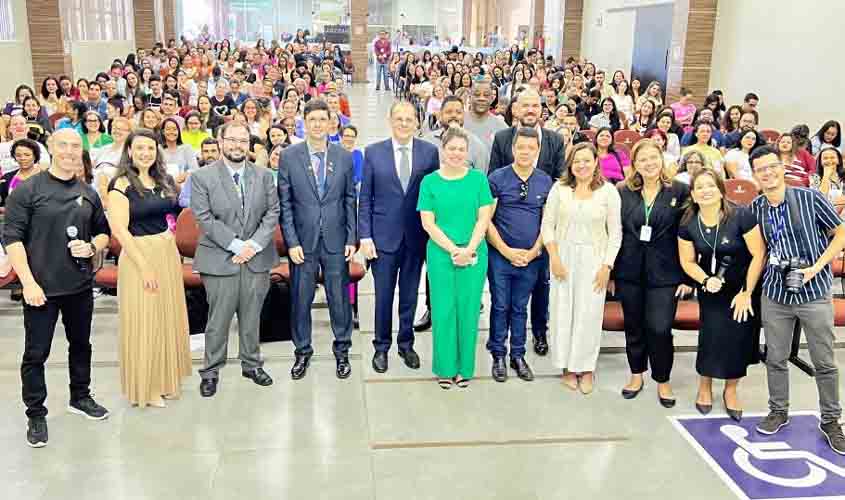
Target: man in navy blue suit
[391,232]
[317,197]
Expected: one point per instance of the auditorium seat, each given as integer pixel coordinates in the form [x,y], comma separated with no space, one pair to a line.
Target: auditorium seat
[589,134]
[839,312]
[106,276]
[626,137]
[622,148]
[770,135]
[740,191]
[54,119]
[687,316]
[187,235]
[614,319]
[9,280]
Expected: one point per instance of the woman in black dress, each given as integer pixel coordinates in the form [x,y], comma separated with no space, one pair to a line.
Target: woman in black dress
[722,249]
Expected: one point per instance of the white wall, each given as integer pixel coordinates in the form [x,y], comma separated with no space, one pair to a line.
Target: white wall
[92,57]
[790,55]
[416,12]
[15,55]
[611,45]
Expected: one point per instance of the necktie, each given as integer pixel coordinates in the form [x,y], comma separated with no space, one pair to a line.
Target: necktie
[236,177]
[404,168]
[321,173]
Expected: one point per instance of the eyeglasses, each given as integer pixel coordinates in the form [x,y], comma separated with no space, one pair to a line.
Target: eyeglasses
[523,190]
[242,142]
[766,168]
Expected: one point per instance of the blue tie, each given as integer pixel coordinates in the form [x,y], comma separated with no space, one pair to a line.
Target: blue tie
[321,173]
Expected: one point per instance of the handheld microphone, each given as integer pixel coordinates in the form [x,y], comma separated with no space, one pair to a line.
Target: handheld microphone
[724,264]
[72,234]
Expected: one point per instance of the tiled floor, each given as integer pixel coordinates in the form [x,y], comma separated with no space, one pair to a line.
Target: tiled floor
[377,437]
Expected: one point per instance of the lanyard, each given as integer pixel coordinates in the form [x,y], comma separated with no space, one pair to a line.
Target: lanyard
[778,226]
[647,208]
[712,247]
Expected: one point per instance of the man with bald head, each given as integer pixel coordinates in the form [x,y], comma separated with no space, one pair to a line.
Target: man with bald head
[55,224]
[392,237]
[550,160]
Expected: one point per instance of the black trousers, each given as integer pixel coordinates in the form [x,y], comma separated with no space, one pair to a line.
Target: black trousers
[39,327]
[649,313]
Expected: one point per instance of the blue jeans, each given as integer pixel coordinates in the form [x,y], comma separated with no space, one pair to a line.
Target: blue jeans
[510,289]
[383,74]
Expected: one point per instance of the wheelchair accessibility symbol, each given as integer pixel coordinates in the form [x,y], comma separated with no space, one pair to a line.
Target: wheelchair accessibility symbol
[796,463]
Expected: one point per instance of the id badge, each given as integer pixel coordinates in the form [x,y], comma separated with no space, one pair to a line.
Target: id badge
[773,260]
[645,233]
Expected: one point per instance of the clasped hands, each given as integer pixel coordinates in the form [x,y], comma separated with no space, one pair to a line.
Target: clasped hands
[521,257]
[462,256]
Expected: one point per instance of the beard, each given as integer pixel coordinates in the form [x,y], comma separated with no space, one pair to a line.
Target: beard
[236,156]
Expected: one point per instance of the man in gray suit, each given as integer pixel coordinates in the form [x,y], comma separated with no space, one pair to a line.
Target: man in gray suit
[237,208]
[318,220]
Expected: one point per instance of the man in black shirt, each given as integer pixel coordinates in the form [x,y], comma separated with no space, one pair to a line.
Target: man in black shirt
[54,225]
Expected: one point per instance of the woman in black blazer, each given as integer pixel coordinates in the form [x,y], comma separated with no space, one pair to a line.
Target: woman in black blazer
[648,275]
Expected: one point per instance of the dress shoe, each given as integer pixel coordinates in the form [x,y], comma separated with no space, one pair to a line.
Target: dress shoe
[300,367]
[356,323]
[541,345]
[666,402]
[424,322]
[412,359]
[499,370]
[208,387]
[703,409]
[259,376]
[344,369]
[736,415]
[380,361]
[523,371]
[631,393]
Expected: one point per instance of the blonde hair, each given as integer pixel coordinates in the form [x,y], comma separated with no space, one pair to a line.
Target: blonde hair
[634,181]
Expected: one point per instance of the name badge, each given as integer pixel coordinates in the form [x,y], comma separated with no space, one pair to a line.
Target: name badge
[645,233]
[773,260]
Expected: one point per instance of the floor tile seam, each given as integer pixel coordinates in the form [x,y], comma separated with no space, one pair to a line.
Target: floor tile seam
[486,443]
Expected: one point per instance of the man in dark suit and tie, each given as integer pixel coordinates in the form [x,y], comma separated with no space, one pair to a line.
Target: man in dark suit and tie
[528,108]
[318,221]
[391,232]
[236,206]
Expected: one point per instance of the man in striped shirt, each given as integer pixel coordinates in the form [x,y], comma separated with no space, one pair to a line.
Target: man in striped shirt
[797,223]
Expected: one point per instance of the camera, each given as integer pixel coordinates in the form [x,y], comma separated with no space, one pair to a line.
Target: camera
[792,278]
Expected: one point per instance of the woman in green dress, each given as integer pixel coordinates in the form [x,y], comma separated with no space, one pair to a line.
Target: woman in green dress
[455,206]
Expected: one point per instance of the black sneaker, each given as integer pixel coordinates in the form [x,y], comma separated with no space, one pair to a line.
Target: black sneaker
[88,408]
[773,422]
[835,438]
[36,432]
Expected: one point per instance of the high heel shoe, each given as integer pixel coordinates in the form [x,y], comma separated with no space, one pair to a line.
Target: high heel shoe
[630,393]
[736,415]
[704,409]
[666,402]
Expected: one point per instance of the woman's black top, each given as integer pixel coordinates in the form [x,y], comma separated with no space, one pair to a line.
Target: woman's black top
[728,240]
[148,213]
[655,262]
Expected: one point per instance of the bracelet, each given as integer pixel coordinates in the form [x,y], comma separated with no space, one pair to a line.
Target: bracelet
[93,249]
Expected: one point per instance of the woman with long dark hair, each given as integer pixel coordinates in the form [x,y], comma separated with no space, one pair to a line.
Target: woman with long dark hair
[609,116]
[828,136]
[154,353]
[722,249]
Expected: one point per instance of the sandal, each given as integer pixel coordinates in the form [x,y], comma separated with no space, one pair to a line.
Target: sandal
[461,382]
[445,383]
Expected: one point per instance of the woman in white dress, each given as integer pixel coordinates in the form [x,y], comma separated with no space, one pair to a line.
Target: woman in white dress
[582,231]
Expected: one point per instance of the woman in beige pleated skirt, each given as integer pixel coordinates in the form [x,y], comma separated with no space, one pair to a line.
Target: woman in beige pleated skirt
[154,341]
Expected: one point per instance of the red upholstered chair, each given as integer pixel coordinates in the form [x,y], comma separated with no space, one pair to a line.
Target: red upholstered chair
[741,191]
[626,137]
[106,276]
[282,271]
[614,319]
[9,280]
[187,236]
[839,312]
[687,316]
[791,181]
[589,134]
[622,148]
[770,135]
[54,119]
